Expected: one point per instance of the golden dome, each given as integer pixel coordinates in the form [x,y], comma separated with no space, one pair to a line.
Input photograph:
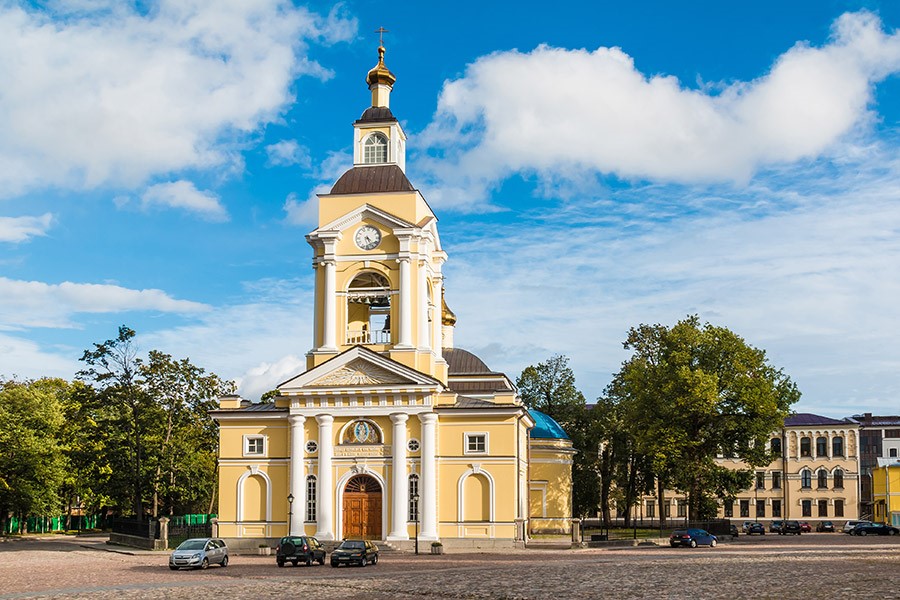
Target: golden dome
[380,73]
[447,316]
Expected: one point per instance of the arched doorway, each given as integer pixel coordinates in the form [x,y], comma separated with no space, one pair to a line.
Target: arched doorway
[362,508]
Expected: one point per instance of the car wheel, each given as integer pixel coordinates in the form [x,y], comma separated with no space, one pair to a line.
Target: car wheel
[294,562]
[673,544]
[863,532]
[308,561]
[363,562]
[280,563]
[173,567]
[322,560]
[334,564]
[891,532]
[225,561]
[375,560]
[712,543]
[204,564]
[693,543]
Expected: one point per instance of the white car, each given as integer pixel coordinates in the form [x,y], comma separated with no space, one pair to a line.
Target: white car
[849,525]
[199,553]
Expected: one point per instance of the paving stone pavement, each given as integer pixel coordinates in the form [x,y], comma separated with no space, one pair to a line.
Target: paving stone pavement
[811,566]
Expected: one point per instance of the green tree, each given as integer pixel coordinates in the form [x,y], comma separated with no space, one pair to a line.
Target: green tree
[550,388]
[31,464]
[692,391]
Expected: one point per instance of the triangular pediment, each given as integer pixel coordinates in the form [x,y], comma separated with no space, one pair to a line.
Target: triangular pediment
[366,212]
[358,368]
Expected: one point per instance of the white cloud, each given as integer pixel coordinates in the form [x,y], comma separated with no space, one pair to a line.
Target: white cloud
[183,194]
[24,359]
[107,93]
[266,376]
[304,213]
[20,229]
[37,304]
[576,112]
[287,153]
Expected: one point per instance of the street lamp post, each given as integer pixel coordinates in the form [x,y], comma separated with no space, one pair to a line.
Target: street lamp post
[415,499]
[290,512]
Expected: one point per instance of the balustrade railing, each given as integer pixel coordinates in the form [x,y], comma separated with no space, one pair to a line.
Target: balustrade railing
[365,336]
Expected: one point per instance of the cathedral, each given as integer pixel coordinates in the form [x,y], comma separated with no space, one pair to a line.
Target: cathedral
[391,434]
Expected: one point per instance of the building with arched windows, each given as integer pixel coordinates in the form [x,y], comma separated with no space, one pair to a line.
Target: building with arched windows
[391,431]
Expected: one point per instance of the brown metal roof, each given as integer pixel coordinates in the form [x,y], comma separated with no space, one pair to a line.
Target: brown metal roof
[461,362]
[370,180]
[375,114]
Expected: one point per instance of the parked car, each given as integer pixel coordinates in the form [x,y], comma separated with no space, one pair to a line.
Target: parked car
[746,525]
[756,528]
[199,553]
[874,529]
[734,530]
[825,527]
[360,552]
[849,525]
[692,538]
[804,527]
[790,527]
[775,527]
[299,549]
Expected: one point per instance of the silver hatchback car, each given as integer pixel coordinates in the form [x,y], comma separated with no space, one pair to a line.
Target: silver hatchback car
[199,553]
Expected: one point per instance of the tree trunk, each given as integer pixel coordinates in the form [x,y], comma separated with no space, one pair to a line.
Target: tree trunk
[661,499]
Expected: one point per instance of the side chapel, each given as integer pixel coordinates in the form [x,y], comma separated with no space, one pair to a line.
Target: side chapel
[391,432]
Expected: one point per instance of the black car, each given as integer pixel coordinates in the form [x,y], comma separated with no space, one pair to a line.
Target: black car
[790,527]
[355,552]
[874,529]
[299,549]
[756,528]
[825,526]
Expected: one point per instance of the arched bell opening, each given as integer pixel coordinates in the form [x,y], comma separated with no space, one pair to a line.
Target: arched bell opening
[369,309]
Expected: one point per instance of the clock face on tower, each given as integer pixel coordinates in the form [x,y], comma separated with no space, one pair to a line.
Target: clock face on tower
[367,237]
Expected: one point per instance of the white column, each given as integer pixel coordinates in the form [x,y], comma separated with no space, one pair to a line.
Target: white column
[428,495]
[437,316]
[405,338]
[298,478]
[329,310]
[324,485]
[424,333]
[400,483]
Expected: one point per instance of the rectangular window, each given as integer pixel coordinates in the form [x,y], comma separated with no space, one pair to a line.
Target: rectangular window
[892,433]
[682,508]
[745,508]
[760,480]
[254,445]
[837,446]
[776,480]
[823,508]
[413,497]
[729,509]
[839,508]
[760,508]
[476,443]
[776,508]
[805,446]
[893,452]
[310,499]
[668,508]
[651,509]
[807,508]
[821,446]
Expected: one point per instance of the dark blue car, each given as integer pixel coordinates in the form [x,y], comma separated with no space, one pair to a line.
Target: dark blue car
[692,538]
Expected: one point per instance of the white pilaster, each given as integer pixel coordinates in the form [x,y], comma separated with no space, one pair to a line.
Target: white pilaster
[424,333]
[400,483]
[428,495]
[298,478]
[405,338]
[329,311]
[325,501]
[437,324]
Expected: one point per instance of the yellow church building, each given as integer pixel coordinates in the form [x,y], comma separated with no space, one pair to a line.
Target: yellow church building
[391,432]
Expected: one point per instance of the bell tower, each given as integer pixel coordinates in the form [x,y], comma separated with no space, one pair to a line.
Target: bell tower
[377,253]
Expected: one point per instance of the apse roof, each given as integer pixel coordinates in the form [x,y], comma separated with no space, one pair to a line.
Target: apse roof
[545,427]
[373,179]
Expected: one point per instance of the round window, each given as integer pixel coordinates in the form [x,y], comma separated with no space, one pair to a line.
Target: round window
[413,445]
[311,447]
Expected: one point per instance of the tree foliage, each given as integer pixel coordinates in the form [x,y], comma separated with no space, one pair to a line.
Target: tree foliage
[550,388]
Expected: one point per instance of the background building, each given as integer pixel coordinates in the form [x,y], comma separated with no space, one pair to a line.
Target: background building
[879,438]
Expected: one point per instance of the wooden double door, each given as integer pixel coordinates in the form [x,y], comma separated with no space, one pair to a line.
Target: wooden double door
[362,508]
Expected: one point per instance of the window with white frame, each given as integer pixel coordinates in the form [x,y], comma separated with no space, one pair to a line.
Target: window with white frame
[311,498]
[375,149]
[414,497]
[476,443]
[254,445]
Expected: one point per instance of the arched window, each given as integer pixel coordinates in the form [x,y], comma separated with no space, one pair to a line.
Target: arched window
[821,446]
[822,479]
[805,446]
[838,479]
[775,444]
[375,149]
[369,309]
[837,446]
[311,498]
[806,478]
[413,497]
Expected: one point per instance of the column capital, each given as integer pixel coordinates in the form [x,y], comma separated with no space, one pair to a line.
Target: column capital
[296,420]
[403,259]
[324,419]
[399,418]
[428,418]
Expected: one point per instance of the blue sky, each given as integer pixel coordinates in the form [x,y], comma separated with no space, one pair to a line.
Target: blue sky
[593,167]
